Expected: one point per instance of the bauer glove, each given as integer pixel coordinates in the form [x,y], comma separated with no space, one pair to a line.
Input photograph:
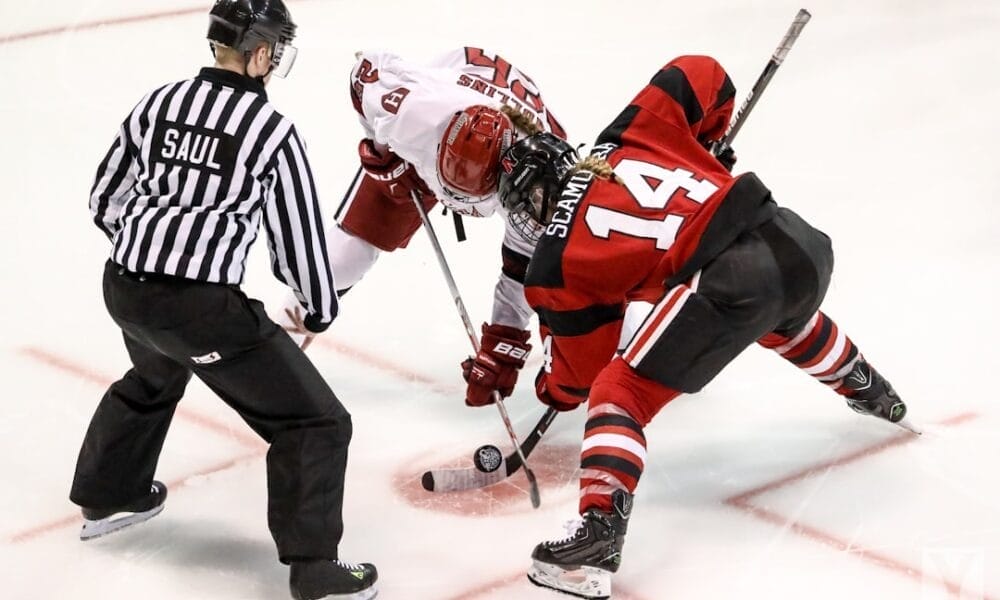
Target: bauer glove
[395,176]
[502,352]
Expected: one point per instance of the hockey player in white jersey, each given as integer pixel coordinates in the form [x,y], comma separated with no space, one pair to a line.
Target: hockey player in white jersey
[438,130]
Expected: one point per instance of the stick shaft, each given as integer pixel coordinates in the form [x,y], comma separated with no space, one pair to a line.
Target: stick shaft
[470,331]
[798,23]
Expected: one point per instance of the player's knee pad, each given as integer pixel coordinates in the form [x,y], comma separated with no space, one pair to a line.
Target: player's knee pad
[620,385]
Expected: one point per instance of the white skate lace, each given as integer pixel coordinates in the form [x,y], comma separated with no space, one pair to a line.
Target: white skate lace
[349,566]
[571,526]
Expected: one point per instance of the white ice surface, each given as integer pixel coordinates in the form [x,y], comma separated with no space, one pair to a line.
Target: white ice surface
[880,129]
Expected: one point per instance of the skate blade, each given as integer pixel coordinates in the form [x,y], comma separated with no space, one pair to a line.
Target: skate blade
[97,528]
[909,426]
[586,582]
[365,594]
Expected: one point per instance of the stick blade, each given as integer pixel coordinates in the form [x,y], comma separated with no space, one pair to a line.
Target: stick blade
[910,426]
[457,480]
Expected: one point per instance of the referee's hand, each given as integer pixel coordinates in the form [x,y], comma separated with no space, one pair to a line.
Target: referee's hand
[298,327]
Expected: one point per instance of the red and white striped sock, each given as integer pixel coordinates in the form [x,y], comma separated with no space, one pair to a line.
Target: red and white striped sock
[821,349]
[612,458]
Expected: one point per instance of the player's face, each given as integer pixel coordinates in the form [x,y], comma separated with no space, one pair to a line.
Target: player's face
[525,212]
[536,197]
[541,206]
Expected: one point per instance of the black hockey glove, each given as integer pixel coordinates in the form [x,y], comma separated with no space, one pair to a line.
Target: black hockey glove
[728,158]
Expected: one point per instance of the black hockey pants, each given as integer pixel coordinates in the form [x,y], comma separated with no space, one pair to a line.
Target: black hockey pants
[175,327]
[770,279]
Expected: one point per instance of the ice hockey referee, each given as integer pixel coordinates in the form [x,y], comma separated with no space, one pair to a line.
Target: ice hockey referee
[194,170]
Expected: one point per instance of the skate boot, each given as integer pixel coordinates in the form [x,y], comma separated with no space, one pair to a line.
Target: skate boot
[98,522]
[332,579]
[872,395]
[581,564]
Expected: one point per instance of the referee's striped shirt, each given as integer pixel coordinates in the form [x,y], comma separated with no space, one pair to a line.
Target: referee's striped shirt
[195,167]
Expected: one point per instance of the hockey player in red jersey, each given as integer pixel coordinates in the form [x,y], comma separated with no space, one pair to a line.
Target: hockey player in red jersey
[652,216]
[437,130]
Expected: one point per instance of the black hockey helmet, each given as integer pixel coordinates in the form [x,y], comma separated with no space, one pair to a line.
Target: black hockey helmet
[532,173]
[244,24]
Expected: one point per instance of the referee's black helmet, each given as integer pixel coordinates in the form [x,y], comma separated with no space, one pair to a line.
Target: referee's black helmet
[244,24]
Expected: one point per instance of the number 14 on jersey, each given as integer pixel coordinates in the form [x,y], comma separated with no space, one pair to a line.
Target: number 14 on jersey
[639,177]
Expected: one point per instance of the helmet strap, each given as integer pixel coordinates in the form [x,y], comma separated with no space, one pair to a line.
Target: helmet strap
[550,191]
[544,209]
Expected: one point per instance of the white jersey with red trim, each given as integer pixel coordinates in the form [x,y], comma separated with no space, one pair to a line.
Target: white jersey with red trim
[406,106]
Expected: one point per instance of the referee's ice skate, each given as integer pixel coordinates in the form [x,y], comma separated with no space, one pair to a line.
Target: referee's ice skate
[98,522]
[332,580]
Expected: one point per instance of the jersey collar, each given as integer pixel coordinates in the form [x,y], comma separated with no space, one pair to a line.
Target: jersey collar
[234,80]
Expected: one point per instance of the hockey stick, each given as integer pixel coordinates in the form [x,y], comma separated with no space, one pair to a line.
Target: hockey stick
[533,492]
[470,478]
[798,23]
[800,20]
[450,480]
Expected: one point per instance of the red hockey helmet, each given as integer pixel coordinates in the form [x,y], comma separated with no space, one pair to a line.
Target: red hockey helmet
[469,152]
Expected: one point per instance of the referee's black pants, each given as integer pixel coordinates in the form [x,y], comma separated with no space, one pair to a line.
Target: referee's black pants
[175,327]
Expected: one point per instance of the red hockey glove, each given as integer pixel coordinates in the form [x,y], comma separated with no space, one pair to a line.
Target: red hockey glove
[502,352]
[552,397]
[396,177]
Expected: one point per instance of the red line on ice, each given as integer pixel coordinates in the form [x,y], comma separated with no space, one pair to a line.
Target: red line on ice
[92,376]
[27,35]
[89,375]
[75,518]
[88,25]
[382,364]
[85,373]
[898,440]
[742,501]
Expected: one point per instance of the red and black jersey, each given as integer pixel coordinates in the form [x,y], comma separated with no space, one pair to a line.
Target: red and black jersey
[674,209]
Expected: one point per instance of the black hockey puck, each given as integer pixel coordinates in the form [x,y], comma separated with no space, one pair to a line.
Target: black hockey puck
[487,458]
[427,481]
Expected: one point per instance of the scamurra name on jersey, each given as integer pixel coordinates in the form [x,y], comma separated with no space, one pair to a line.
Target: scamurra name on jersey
[565,208]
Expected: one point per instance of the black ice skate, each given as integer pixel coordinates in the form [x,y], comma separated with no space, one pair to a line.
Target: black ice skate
[98,522]
[332,579]
[872,395]
[582,564]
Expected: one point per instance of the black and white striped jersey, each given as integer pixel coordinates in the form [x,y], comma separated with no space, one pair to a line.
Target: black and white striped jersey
[195,168]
